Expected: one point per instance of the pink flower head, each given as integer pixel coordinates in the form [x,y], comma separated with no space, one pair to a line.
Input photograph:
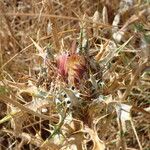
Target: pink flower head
[71,67]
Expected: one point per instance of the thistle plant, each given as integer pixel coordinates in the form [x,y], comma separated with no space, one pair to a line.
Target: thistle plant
[74,75]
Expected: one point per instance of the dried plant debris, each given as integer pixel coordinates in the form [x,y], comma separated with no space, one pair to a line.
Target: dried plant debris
[75,75]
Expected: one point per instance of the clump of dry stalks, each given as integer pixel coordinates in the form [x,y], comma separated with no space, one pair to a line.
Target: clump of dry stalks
[75,75]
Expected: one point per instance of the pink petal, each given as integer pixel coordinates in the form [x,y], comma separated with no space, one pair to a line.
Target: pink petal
[61,64]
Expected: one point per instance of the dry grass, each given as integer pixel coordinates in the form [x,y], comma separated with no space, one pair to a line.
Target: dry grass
[75,74]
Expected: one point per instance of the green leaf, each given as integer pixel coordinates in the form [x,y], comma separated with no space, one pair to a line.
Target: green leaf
[147,38]
[3,90]
[139,27]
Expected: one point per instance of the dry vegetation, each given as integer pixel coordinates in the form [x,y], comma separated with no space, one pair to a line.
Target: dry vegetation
[74,74]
